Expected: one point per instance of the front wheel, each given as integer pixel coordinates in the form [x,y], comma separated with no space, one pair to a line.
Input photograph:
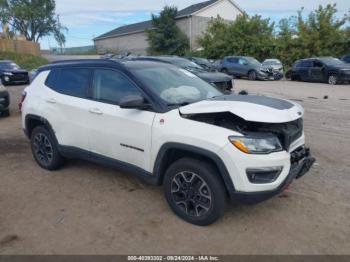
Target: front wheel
[195,191]
[44,149]
[252,75]
[332,79]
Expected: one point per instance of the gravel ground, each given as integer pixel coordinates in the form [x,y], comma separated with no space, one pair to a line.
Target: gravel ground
[88,209]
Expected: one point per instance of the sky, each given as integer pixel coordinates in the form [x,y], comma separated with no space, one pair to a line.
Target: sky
[86,19]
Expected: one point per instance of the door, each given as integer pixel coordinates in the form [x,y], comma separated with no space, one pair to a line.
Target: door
[233,66]
[120,134]
[317,72]
[65,105]
[305,70]
[243,67]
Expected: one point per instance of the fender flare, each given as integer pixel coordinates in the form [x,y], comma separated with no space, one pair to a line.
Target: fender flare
[42,120]
[223,172]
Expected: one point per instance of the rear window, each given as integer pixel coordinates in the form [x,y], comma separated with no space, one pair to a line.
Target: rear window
[233,60]
[70,81]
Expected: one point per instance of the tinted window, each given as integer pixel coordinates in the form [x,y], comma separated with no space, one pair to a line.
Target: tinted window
[306,63]
[9,66]
[297,64]
[70,81]
[110,86]
[233,60]
[318,64]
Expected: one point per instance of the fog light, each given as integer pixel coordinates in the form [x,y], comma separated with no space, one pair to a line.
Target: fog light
[263,175]
[6,78]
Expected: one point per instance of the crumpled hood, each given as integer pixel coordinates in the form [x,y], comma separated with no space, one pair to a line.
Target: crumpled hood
[251,108]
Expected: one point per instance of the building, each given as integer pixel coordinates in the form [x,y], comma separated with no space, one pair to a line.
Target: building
[193,21]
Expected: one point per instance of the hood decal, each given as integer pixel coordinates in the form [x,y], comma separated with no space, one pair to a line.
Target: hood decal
[258,100]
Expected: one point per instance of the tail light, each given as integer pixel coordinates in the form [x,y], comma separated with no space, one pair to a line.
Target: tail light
[23,97]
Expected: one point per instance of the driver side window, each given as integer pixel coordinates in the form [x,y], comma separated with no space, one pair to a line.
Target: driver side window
[242,61]
[111,86]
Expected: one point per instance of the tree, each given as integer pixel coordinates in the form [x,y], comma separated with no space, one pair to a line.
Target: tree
[251,36]
[34,19]
[165,37]
[322,34]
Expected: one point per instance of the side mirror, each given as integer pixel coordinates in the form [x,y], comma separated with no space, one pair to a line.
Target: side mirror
[133,102]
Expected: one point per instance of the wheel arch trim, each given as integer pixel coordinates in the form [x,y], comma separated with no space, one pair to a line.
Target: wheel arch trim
[165,149]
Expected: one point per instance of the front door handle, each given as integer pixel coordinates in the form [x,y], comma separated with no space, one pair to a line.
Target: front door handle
[51,101]
[95,111]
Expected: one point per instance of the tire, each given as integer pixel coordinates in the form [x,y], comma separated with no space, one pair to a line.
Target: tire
[5,113]
[194,191]
[44,149]
[288,75]
[332,79]
[252,75]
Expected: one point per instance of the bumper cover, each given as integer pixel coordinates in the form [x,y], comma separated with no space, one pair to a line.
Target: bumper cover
[301,160]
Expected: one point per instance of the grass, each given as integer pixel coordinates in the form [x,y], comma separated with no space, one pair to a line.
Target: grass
[25,61]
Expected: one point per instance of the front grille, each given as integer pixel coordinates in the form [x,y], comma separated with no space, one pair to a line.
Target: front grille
[287,133]
[224,86]
[291,132]
[19,77]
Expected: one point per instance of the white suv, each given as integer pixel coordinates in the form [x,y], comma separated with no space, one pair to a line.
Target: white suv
[168,127]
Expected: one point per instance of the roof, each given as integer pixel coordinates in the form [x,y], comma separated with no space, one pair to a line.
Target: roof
[142,26]
[194,8]
[127,29]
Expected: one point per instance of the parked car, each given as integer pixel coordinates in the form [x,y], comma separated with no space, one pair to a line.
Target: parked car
[243,66]
[216,64]
[321,69]
[170,128]
[203,62]
[346,58]
[276,66]
[11,73]
[222,81]
[4,101]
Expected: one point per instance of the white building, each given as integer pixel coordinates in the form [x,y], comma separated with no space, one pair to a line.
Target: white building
[193,21]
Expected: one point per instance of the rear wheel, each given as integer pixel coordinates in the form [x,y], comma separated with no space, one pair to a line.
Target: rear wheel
[252,75]
[44,149]
[332,79]
[194,191]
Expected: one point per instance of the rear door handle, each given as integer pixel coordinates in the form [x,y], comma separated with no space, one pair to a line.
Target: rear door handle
[95,111]
[51,101]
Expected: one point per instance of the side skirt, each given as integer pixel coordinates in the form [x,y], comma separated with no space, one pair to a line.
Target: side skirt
[72,152]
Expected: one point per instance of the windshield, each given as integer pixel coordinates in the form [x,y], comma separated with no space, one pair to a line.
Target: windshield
[272,62]
[253,61]
[202,61]
[9,66]
[331,61]
[176,86]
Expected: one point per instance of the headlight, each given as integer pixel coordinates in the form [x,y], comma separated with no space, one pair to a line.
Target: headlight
[256,145]
[8,74]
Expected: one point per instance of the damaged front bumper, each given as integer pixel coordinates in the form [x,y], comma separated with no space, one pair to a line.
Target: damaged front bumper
[301,163]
